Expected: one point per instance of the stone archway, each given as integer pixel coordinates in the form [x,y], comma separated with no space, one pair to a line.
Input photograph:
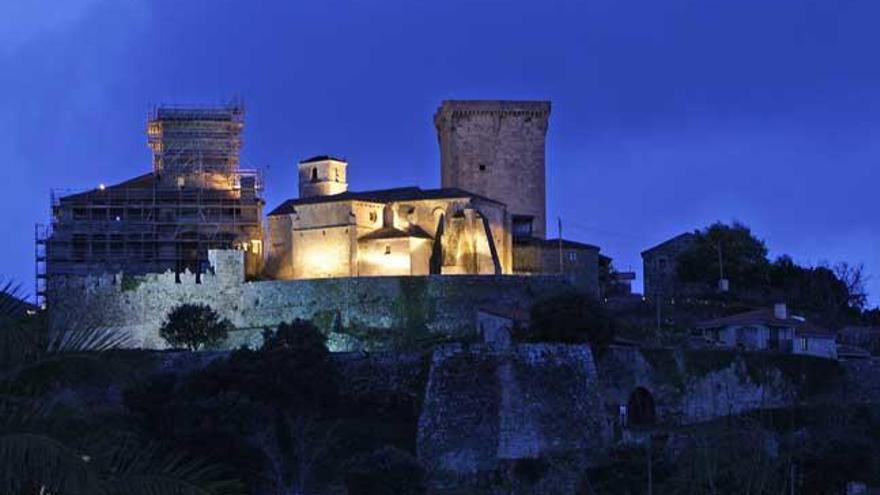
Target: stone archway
[640,408]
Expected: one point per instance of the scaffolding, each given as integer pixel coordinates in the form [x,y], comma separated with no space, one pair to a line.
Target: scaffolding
[195,199]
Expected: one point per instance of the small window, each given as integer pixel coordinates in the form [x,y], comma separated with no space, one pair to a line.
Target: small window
[336,174]
[805,344]
[522,226]
[661,263]
[314,174]
[482,167]
[373,216]
[572,256]
[387,248]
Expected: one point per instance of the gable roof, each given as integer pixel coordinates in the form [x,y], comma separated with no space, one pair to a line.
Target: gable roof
[321,158]
[763,316]
[395,233]
[554,243]
[686,237]
[380,196]
[144,181]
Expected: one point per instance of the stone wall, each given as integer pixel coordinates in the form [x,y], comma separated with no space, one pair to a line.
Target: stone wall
[496,149]
[353,310]
[699,385]
[485,408]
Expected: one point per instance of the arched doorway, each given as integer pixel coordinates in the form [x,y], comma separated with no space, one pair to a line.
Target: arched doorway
[640,408]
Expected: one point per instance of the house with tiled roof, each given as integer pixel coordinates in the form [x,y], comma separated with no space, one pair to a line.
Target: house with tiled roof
[771,329]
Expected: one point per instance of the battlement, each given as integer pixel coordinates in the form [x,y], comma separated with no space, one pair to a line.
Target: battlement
[347,309]
[531,108]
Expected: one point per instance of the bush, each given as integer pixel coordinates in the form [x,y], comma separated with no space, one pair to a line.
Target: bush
[194,326]
[571,318]
[386,471]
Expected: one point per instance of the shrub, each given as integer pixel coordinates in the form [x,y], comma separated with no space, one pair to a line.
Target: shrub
[386,471]
[194,326]
[571,318]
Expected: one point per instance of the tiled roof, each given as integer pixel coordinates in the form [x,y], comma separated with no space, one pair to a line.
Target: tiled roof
[767,317]
[379,196]
[144,181]
[764,316]
[321,158]
[554,243]
[393,233]
[663,244]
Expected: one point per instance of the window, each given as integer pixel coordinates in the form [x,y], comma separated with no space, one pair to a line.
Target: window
[314,174]
[336,174]
[373,216]
[572,256]
[805,344]
[482,167]
[522,226]
[661,263]
[387,248]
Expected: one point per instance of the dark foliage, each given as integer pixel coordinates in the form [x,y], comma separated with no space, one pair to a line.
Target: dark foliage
[744,257]
[194,326]
[831,295]
[572,318]
[385,471]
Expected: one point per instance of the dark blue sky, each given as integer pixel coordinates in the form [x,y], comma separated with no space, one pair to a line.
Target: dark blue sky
[667,115]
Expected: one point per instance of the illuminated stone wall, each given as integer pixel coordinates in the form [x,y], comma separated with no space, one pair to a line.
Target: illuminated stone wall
[496,149]
[361,310]
[326,239]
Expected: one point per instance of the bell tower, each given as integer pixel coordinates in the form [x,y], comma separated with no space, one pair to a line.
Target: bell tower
[322,176]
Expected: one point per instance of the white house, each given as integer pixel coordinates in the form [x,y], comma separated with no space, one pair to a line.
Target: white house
[770,329]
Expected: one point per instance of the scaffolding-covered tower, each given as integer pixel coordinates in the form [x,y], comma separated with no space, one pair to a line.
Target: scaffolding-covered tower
[195,199]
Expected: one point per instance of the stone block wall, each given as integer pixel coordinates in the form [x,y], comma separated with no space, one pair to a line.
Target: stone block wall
[496,149]
[137,305]
[484,407]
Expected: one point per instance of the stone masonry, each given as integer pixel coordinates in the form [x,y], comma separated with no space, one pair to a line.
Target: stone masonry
[136,305]
[496,149]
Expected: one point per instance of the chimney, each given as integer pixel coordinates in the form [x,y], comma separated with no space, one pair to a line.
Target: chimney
[780,311]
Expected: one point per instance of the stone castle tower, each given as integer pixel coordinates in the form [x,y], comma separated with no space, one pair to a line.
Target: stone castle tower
[496,149]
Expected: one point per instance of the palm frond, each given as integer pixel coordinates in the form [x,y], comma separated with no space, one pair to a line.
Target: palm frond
[12,300]
[79,338]
[137,469]
[29,460]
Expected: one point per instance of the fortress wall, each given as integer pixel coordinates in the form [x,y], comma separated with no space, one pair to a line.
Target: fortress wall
[486,408]
[137,305]
[690,386]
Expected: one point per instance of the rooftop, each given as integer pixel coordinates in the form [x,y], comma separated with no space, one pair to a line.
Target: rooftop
[687,236]
[379,196]
[554,243]
[322,158]
[395,233]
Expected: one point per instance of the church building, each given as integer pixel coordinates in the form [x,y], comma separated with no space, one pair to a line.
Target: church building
[488,218]
[332,232]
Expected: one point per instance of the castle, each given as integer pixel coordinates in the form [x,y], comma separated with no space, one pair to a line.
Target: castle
[488,218]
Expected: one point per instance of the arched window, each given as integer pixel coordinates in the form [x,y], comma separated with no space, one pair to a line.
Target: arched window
[640,408]
[314,174]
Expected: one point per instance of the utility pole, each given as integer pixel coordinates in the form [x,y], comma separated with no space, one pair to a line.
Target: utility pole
[722,282]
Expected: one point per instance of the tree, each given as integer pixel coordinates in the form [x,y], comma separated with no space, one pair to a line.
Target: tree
[742,255]
[194,326]
[572,318]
